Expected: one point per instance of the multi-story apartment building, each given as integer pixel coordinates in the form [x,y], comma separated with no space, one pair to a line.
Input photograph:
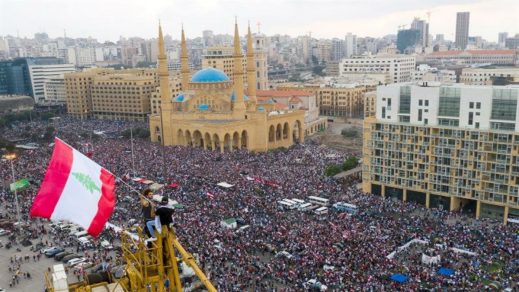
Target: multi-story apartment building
[454,147]
[484,76]
[471,57]
[370,101]
[221,58]
[398,68]
[338,101]
[110,94]
[123,96]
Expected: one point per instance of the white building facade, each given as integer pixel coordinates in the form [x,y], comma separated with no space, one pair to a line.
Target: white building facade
[398,68]
[484,76]
[42,73]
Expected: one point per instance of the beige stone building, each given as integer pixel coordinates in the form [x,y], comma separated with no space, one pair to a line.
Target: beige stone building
[123,96]
[175,85]
[334,101]
[110,94]
[213,112]
[370,99]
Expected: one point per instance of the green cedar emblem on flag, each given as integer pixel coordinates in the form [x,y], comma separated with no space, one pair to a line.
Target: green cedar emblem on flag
[87,182]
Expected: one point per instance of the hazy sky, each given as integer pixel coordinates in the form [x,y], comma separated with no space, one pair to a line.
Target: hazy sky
[110,19]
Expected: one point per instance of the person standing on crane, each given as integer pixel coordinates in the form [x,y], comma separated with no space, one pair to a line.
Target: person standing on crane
[163,216]
[148,209]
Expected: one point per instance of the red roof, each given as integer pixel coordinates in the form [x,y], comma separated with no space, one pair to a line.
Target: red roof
[282,93]
[474,52]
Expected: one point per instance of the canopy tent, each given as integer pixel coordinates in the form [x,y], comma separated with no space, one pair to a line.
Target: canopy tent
[156,186]
[224,185]
[446,272]
[399,278]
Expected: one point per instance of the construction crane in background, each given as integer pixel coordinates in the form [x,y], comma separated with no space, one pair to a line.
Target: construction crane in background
[149,266]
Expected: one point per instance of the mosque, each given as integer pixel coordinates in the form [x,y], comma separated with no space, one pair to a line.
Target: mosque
[214,113]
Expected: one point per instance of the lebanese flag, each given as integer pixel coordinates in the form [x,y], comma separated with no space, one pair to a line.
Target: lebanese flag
[210,195]
[76,189]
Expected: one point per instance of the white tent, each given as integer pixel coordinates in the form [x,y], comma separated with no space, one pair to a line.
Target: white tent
[224,185]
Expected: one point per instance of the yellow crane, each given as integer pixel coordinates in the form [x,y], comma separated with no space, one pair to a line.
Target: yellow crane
[149,266]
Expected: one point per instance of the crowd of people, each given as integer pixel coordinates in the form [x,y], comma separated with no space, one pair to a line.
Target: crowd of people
[341,251]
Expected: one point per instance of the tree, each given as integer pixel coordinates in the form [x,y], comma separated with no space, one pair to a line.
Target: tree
[349,133]
[350,163]
[332,170]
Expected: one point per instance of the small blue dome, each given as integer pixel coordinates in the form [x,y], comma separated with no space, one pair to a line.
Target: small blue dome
[271,101]
[179,98]
[209,75]
[203,107]
[261,109]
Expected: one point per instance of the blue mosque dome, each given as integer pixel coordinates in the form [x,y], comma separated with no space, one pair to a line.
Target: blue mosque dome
[261,109]
[179,98]
[203,107]
[209,75]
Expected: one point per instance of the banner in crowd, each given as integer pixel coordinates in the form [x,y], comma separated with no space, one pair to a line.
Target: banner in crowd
[18,185]
[76,189]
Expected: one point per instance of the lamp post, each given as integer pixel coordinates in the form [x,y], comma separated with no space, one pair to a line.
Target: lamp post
[11,157]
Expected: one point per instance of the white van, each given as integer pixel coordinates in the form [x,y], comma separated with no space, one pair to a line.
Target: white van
[321,211]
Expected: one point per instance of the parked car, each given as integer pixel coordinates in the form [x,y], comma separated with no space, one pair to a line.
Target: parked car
[69,257]
[61,255]
[4,232]
[54,251]
[75,261]
[84,265]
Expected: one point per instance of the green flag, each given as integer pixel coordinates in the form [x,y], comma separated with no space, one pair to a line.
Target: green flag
[23,183]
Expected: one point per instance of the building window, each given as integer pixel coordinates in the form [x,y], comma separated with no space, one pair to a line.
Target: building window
[425,121]
[476,125]
[420,102]
[420,115]
[471,105]
[471,118]
[404,119]
[504,109]
[405,100]
[383,112]
[426,103]
[478,105]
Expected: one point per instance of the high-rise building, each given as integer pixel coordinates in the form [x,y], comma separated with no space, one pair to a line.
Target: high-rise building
[423,28]
[501,39]
[350,45]
[462,29]
[407,39]
[398,68]
[338,47]
[208,37]
[453,147]
[512,43]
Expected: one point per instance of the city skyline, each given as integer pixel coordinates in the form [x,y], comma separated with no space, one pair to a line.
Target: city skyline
[111,20]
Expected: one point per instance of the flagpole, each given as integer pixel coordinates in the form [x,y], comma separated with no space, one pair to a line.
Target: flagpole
[12,157]
[133,159]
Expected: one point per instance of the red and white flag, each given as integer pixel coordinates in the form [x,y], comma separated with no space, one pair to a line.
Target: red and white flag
[210,195]
[76,189]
